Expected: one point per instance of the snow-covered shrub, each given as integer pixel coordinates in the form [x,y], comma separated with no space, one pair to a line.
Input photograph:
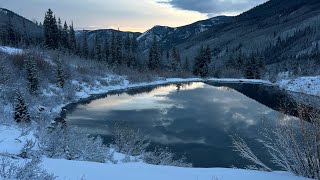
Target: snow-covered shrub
[129,141]
[293,149]
[10,169]
[134,143]
[163,156]
[72,143]
[26,150]
[32,170]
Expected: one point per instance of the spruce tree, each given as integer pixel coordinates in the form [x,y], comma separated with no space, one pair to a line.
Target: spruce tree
[59,36]
[85,47]
[106,50]
[20,109]
[154,55]
[113,49]
[32,76]
[202,61]
[176,60]
[186,64]
[61,76]
[72,39]
[65,36]
[118,50]
[50,30]
[97,49]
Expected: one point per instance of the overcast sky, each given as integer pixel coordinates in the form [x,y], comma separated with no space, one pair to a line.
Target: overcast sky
[131,15]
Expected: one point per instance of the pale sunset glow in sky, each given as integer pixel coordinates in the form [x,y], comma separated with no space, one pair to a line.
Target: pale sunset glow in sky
[128,15]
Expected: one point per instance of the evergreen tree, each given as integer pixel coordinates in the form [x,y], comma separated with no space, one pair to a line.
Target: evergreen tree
[85,48]
[186,65]
[113,49]
[118,50]
[61,76]
[65,36]
[11,35]
[106,50]
[72,39]
[59,36]
[20,109]
[154,55]
[32,76]
[97,49]
[176,60]
[202,61]
[50,26]
[253,67]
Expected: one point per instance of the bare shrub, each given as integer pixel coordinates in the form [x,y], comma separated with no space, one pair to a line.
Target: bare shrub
[293,147]
[163,156]
[129,141]
[133,142]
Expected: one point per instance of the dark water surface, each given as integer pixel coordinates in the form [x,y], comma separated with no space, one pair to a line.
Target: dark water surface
[195,119]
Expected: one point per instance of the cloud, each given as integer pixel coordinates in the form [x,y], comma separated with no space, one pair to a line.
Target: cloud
[214,7]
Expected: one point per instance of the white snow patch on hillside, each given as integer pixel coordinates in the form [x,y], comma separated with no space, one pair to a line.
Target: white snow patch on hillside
[11,140]
[10,50]
[75,170]
[306,85]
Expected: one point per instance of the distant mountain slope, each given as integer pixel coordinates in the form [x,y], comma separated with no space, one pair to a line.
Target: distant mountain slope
[279,29]
[19,23]
[169,37]
[102,35]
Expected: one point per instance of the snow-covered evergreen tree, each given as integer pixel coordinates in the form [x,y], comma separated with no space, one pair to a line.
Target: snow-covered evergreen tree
[21,113]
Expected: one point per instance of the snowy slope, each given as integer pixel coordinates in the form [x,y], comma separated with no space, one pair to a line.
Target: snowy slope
[10,50]
[75,170]
[305,85]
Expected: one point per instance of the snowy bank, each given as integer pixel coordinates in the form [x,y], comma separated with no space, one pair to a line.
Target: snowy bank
[10,50]
[75,170]
[305,85]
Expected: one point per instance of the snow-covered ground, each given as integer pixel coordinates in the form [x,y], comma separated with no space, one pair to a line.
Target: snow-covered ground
[306,85]
[75,170]
[10,50]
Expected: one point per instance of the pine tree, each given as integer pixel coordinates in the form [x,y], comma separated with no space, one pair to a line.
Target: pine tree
[59,36]
[65,36]
[97,49]
[113,49]
[50,26]
[186,65]
[106,50]
[20,109]
[85,47]
[118,50]
[72,39]
[154,55]
[32,76]
[61,76]
[202,61]
[176,60]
